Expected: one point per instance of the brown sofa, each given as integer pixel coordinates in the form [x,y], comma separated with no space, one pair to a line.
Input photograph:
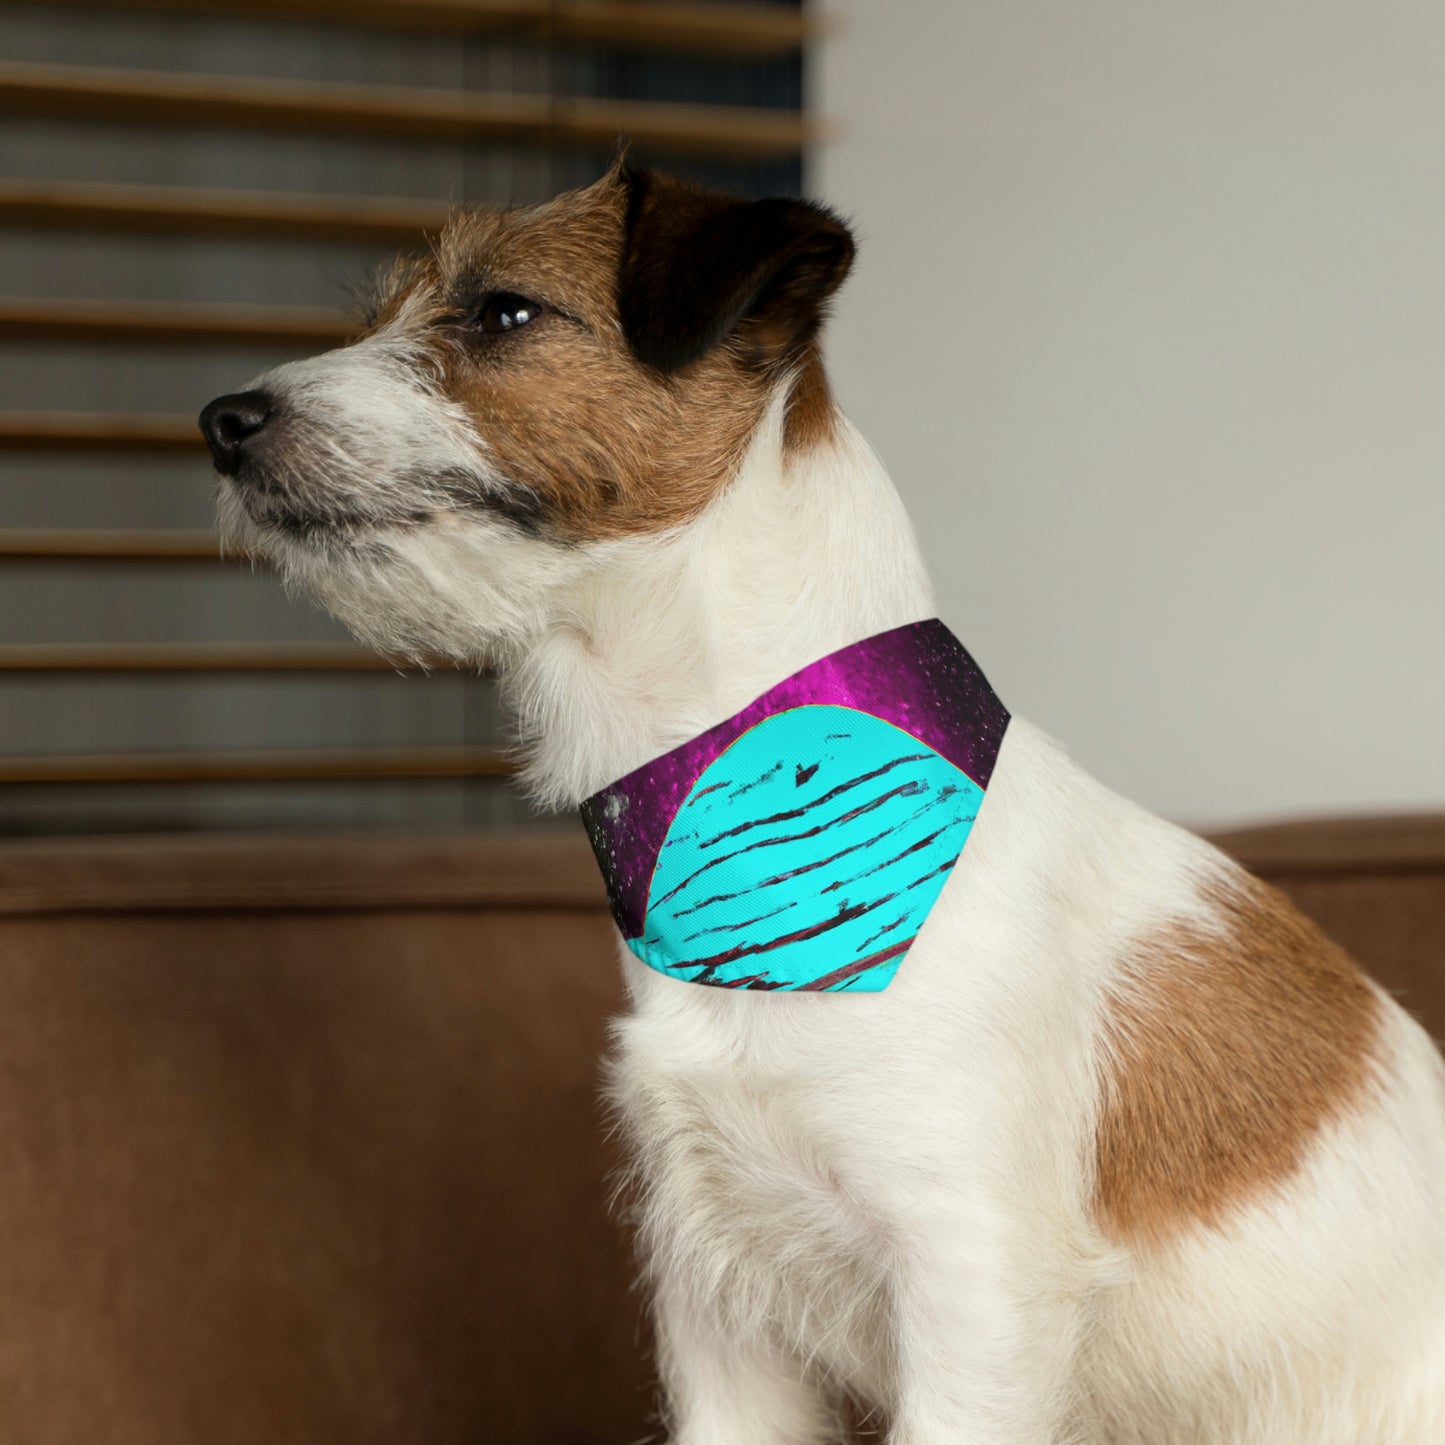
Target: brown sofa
[299,1141]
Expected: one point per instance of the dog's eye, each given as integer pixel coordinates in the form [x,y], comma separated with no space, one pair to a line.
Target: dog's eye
[505,311]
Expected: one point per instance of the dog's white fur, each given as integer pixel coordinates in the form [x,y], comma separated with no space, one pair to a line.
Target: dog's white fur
[891,1193]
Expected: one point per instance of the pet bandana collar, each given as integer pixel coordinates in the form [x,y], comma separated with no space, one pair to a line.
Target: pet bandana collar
[801,843]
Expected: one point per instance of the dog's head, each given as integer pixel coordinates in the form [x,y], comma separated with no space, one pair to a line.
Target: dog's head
[547,382]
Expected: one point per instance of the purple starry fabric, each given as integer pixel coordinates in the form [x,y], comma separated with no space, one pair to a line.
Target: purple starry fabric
[917,677]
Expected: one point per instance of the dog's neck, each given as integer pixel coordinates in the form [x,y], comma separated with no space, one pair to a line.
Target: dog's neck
[804,553]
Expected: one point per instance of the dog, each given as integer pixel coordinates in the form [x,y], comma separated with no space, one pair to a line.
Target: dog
[1127,1153]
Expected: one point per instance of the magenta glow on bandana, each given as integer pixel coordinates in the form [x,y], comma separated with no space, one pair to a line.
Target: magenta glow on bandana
[800,844]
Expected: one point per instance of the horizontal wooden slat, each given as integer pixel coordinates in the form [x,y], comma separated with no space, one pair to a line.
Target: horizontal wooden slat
[174,211]
[94,431]
[171,324]
[108,546]
[705,29]
[265,767]
[180,657]
[550,868]
[215,101]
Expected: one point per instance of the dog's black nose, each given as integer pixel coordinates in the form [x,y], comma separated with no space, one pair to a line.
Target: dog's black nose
[229,422]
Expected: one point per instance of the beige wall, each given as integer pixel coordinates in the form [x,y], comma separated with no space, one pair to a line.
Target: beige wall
[1149,324]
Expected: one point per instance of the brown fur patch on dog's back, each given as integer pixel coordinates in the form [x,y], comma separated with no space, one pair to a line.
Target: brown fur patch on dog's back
[1227,1052]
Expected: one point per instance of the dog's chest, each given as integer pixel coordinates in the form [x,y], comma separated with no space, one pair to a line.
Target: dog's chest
[748,1187]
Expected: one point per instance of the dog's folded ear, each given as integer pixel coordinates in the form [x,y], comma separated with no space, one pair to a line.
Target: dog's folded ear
[699,267]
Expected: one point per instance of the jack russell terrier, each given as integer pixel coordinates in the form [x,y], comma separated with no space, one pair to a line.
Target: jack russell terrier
[1097,1141]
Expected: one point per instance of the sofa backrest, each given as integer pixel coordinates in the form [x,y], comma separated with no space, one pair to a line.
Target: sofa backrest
[300,1138]
[300,1142]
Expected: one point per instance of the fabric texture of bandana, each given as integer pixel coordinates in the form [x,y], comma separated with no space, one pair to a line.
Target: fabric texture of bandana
[801,843]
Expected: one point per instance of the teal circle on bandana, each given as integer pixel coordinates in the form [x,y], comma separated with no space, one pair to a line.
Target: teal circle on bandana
[807,855]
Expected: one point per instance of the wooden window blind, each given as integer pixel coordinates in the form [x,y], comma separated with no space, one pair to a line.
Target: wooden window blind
[187,189]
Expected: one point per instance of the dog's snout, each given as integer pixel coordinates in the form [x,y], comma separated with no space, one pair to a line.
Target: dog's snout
[229,422]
